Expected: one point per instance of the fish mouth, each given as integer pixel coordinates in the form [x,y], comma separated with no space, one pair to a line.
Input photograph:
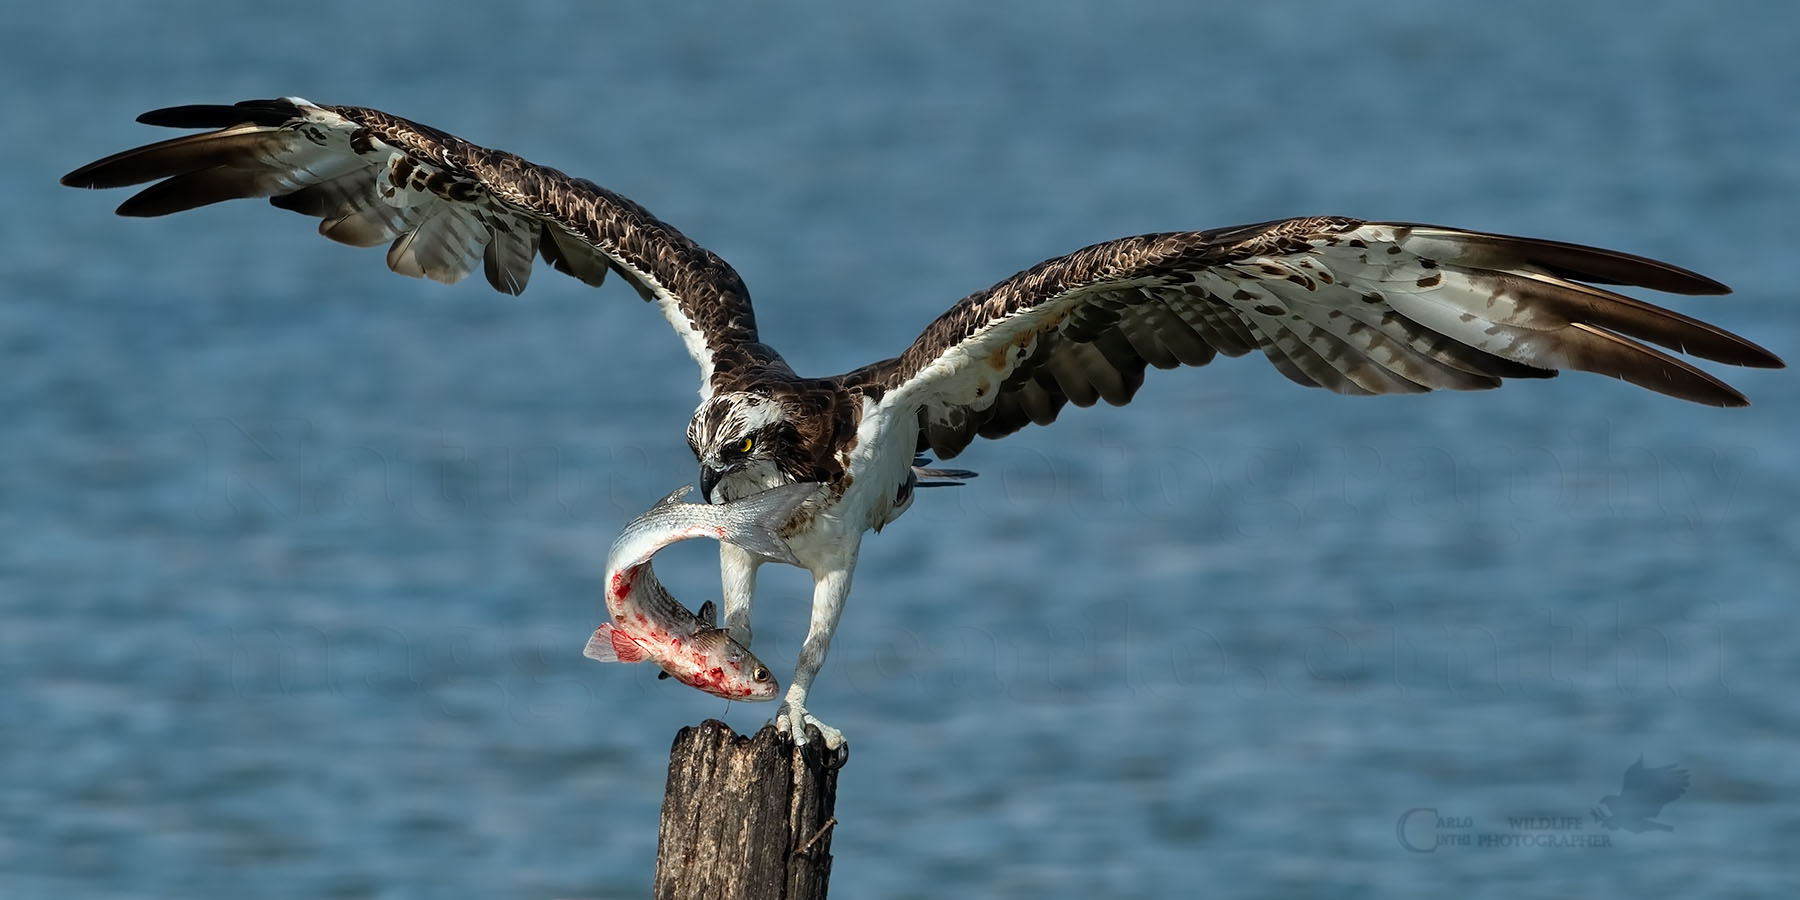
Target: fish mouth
[755,692]
[715,682]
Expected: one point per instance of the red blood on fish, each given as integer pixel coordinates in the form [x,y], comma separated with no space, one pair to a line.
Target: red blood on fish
[621,582]
[627,649]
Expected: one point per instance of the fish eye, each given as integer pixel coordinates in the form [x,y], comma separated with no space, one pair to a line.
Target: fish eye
[760,673]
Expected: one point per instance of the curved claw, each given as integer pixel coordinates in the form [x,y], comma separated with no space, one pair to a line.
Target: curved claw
[792,719]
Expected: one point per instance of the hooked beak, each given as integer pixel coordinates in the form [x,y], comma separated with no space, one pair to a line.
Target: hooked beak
[709,479]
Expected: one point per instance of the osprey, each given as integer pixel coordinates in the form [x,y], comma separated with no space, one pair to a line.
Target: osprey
[1356,307]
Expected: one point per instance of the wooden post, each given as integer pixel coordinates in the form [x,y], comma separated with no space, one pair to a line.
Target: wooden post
[746,817]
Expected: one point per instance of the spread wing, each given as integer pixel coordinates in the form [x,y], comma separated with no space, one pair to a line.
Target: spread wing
[1652,789]
[1357,307]
[443,206]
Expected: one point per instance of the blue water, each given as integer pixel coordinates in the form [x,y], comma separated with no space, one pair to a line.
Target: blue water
[296,556]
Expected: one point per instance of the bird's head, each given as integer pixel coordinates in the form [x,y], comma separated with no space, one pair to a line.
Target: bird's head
[737,438]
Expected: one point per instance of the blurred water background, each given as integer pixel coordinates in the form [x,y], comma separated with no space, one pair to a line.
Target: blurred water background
[297,556]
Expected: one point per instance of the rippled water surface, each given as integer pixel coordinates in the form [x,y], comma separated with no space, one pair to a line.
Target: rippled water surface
[297,555]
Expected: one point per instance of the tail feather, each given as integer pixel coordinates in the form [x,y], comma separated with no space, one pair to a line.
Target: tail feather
[925,476]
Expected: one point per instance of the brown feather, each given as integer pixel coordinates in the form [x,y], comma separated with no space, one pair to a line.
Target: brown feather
[1571,261]
[268,113]
[194,189]
[1174,332]
[238,146]
[1120,369]
[508,257]
[567,254]
[1590,349]
[1616,312]
[1216,322]
[1143,326]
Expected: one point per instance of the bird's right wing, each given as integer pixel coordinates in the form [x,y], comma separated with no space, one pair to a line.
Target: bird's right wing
[443,205]
[1656,787]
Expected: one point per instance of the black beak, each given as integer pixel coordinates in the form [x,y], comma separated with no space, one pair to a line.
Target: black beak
[709,479]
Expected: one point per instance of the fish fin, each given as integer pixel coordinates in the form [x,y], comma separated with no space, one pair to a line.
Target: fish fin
[673,497]
[755,521]
[662,675]
[708,638]
[599,645]
[629,650]
[708,614]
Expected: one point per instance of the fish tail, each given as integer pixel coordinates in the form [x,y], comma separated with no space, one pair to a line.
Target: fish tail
[754,522]
[609,644]
[599,645]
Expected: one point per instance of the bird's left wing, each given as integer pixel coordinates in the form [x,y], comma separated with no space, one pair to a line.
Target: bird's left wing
[1357,307]
[443,205]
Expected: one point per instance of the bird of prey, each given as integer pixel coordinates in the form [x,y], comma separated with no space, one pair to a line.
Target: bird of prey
[1638,803]
[1354,306]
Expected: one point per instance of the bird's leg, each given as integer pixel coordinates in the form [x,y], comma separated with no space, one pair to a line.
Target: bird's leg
[737,576]
[829,591]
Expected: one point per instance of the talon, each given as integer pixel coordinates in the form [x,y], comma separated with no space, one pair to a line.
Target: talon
[792,719]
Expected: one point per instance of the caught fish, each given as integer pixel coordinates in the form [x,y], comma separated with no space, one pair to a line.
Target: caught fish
[648,624]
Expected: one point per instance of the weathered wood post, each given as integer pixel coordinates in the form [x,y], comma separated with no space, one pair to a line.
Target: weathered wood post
[748,818]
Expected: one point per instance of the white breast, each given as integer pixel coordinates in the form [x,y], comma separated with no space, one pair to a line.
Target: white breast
[878,465]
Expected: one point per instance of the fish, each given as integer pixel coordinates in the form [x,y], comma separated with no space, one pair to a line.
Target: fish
[649,624]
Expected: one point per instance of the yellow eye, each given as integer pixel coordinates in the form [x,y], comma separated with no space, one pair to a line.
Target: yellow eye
[748,443]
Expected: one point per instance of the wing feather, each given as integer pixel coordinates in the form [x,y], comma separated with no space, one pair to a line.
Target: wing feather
[564,252]
[1189,344]
[1147,326]
[444,207]
[1359,307]
[511,246]
[446,245]
[1215,322]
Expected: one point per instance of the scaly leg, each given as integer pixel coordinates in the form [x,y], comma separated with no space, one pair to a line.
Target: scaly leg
[829,591]
[737,575]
